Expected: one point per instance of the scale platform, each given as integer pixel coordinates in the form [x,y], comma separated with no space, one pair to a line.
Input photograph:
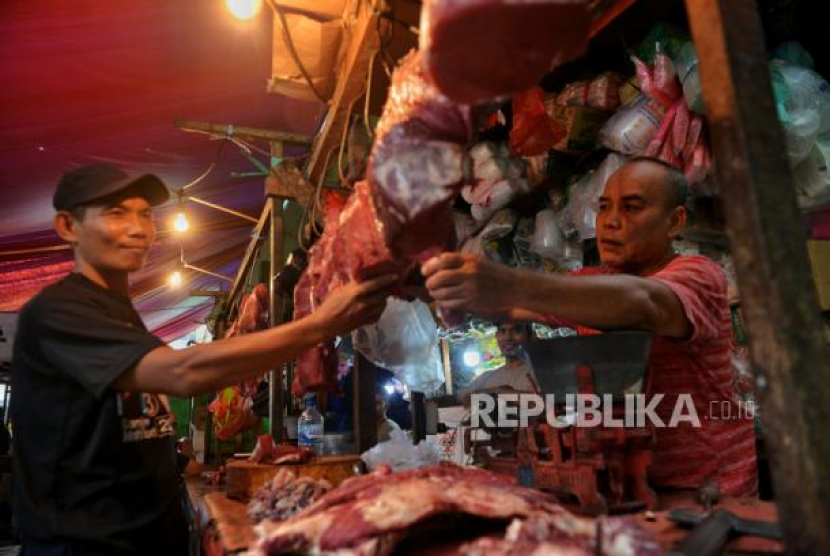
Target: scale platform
[618,361]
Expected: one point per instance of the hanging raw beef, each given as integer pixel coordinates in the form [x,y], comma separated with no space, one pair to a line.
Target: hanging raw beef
[475,50]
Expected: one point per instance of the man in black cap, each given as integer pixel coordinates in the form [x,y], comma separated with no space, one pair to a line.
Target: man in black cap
[95,466]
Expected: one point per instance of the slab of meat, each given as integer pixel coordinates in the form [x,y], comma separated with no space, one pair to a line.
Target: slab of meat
[475,50]
[253,310]
[568,535]
[351,246]
[397,218]
[373,513]
[285,495]
[266,452]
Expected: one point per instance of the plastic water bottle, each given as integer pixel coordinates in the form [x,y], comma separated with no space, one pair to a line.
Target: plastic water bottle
[310,427]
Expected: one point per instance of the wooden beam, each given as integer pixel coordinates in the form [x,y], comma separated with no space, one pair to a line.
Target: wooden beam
[207,293]
[611,13]
[765,230]
[275,242]
[288,181]
[364,384]
[351,82]
[250,253]
[231,130]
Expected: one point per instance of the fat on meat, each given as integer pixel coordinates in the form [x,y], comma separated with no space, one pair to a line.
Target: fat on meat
[544,534]
[475,50]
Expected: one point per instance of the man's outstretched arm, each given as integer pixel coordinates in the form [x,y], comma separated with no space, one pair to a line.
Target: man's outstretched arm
[485,288]
[209,367]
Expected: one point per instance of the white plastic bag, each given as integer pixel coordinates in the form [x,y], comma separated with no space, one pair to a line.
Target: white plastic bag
[812,176]
[547,241]
[579,216]
[500,225]
[501,194]
[400,453]
[405,341]
[802,99]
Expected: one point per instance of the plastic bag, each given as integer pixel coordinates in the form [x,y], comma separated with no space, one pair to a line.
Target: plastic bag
[687,72]
[579,216]
[500,225]
[547,241]
[523,256]
[537,168]
[533,132]
[464,226]
[812,176]
[630,130]
[604,91]
[405,341]
[498,197]
[601,93]
[400,453]
[473,246]
[665,87]
[232,413]
[662,38]
[793,53]
[802,99]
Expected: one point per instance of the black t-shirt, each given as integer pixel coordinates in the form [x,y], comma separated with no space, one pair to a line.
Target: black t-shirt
[93,467]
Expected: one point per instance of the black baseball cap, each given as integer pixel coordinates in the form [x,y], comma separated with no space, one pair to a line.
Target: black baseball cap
[83,185]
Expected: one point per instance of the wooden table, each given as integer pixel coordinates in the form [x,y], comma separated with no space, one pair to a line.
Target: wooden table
[221,525]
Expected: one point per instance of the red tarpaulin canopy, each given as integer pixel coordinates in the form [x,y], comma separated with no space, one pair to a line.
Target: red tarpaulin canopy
[86,81]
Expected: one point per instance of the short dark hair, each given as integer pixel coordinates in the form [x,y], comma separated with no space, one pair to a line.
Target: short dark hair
[78,213]
[676,182]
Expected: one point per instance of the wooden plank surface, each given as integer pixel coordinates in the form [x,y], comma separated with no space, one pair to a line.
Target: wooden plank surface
[765,230]
[229,518]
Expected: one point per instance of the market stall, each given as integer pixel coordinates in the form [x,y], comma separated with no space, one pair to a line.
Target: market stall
[533,206]
[475,147]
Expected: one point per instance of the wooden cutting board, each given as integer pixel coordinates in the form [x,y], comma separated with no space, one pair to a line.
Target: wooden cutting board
[244,478]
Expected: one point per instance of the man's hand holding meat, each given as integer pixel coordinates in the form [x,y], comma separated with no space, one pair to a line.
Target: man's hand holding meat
[354,305]
[470,283]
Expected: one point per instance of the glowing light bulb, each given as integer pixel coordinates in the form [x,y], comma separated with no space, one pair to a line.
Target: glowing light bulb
[472,358]
[176,278]
[180,224]
[244,9]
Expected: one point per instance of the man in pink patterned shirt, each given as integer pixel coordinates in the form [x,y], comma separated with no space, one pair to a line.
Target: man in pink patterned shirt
[643,284]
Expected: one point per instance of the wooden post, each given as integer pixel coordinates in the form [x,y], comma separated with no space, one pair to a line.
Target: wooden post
[275,390]
[365,412]
[787,345]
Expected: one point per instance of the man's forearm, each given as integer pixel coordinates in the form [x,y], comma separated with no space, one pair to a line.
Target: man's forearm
[236,359]
[209,367]
[593,301]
